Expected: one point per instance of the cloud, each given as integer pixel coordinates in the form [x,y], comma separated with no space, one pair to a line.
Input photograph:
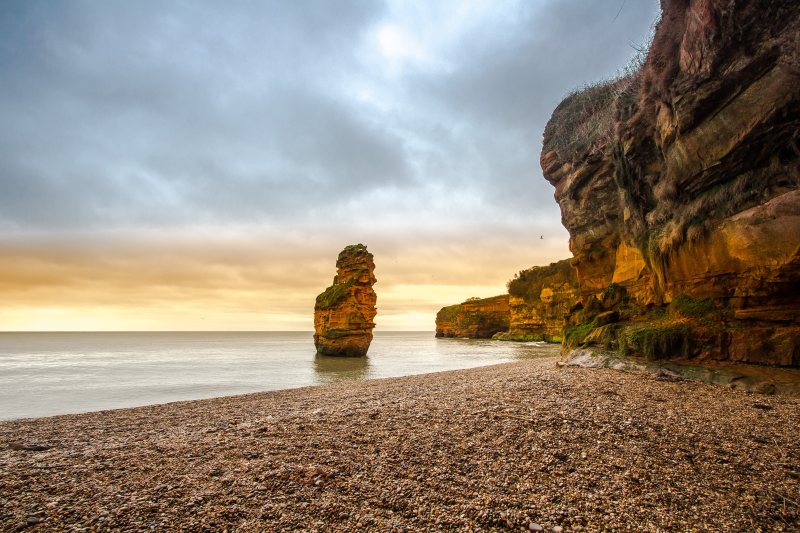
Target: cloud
[244,281]
[134,115]
[146,139]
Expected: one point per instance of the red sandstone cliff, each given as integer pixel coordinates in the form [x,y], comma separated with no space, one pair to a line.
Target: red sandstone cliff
[680,187]
[344,312]
[540,300]
[475,318]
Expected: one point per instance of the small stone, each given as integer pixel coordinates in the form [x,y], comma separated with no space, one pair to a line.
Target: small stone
[557,529]
[533,526]
[766,388]
[33,447]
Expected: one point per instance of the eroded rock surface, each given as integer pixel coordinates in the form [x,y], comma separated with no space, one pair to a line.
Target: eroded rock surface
[344,314]
[475,318]
[540,300]
[680,187]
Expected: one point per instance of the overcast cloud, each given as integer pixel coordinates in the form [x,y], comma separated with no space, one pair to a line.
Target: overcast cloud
[399,124]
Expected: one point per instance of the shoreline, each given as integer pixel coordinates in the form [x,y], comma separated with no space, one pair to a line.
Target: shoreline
[747,378]
[245,395]
[511,445]
[55,376]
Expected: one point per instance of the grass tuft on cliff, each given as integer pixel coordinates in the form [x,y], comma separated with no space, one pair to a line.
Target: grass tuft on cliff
[527,284]
[575,335]
[449,313]
[584,123]
[353,249]
[656,341]
[685,305]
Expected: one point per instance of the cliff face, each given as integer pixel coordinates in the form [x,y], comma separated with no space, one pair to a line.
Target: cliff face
[344,313]
[540,300]
[680,187]
[474,318]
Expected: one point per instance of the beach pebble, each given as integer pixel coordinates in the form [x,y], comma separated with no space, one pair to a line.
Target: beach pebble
[449,451]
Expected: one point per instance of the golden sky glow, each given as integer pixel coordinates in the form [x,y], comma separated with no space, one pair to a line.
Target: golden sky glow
[197,166]
[234,284]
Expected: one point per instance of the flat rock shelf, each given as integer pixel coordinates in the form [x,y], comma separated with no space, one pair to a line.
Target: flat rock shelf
[521,445]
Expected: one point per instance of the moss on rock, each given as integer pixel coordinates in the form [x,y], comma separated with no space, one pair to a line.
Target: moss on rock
[656,341]
[575,335]
[685,305]
[333,295]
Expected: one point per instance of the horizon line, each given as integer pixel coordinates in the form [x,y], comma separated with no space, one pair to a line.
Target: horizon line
[200,331]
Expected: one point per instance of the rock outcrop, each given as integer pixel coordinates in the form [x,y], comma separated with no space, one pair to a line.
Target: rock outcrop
[540,301]
[475,318]
[344,313]
[680,187]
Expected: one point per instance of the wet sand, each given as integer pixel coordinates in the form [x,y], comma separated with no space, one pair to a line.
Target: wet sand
[517,446]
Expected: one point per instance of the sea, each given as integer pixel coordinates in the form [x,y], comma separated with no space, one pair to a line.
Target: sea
[46,374]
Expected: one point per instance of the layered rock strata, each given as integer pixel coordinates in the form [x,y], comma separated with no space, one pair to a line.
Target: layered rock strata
[540,300]
[680,187]
[474,318]
[344,312]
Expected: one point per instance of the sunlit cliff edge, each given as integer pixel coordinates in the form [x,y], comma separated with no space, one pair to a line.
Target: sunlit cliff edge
[680,187]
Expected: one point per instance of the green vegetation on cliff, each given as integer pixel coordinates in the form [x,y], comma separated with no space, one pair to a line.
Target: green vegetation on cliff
[526,337]
[585,122]
[449,313]
[333,295]
[474,318]
[575,335]
[656,341]
[528,284]
[685,305]
[353,249]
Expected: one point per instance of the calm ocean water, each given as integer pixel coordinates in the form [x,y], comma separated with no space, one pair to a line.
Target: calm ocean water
[43,374]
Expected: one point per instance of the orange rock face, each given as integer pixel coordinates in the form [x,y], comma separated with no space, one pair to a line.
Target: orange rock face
[684,199]
[475,318]
[540,301]
[536,308]
[344,314]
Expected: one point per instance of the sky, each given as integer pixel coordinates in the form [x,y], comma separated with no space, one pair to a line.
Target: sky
[176,165]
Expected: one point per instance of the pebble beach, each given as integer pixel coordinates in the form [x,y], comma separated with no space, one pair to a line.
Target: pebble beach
[522,446]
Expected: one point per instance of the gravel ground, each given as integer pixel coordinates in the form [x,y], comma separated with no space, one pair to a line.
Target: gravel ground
[517,446]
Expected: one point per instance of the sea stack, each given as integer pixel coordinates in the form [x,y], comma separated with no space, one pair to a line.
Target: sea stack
[344,313]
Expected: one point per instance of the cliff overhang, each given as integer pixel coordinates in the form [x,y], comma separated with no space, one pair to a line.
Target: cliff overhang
[680,187]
